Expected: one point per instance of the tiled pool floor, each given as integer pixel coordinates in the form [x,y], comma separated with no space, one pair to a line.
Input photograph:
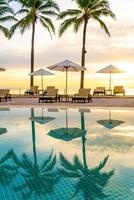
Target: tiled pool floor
[59,154]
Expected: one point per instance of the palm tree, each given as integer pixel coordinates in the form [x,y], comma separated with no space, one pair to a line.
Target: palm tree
[88,9]
[90,181]
[5,15]
[34,11]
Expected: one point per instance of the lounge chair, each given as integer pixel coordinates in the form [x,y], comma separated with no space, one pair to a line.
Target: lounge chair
[119,90]
[32,91]
[50,87]
[99,90]
[4,94]
[50,96]
[82,96]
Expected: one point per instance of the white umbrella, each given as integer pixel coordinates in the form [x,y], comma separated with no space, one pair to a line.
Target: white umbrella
[2,69]
[110,69]
[41,72]
[66,66]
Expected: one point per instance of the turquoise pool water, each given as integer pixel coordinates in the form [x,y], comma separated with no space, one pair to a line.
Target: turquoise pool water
[59,154]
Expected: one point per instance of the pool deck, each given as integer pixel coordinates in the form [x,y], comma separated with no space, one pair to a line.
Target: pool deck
[101,101]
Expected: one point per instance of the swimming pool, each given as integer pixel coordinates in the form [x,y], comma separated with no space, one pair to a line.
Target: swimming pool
[65,154]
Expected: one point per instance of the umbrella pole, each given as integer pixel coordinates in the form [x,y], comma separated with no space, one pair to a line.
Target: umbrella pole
[110,82]
[66,79]
[110,117]
[66,121]
[42,83]
[42,113]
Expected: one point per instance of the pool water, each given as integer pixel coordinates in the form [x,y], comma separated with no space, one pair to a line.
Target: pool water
[64,154]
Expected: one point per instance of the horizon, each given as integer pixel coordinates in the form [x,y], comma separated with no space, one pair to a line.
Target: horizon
[101,51]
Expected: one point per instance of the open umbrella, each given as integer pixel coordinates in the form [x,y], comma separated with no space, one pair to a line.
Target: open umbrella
[66,133]
[110,123]
[41,119]
[110,69]
[41,72]
[66,66]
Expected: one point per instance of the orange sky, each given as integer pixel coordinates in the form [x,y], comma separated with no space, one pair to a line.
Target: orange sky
[101,51]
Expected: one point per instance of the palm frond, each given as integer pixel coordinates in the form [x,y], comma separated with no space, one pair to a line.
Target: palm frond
[78,164]
[78,24]
[102,163]
[49,5]
[102,24]
[7,18]
[47,160]
[7,156]
[102,12]
[23,24]
[49,23]
[69,13]
[22,11]
[50,165]
[46,27]
[66,24]
[69,174]
[66,164]
[47,13]
[10,167]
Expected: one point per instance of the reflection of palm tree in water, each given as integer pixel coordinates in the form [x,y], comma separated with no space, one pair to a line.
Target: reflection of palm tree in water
[90,181]
[7,171]
[37,179]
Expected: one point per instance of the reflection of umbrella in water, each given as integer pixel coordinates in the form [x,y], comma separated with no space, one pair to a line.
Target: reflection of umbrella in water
[66,133]
[3,130]
[42,119]
[110,123]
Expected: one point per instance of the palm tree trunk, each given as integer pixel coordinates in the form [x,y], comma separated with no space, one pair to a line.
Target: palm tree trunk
[32,52]
[83,53]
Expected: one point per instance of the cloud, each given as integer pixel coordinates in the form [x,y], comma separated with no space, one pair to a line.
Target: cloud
[101,49]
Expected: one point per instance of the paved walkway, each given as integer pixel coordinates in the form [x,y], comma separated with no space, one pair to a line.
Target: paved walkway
[97,102]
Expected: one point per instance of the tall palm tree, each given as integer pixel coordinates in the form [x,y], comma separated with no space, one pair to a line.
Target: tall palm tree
[6,14]
[34,11]
[87,10]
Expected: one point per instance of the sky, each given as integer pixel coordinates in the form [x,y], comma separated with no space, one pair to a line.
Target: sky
[101,51]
